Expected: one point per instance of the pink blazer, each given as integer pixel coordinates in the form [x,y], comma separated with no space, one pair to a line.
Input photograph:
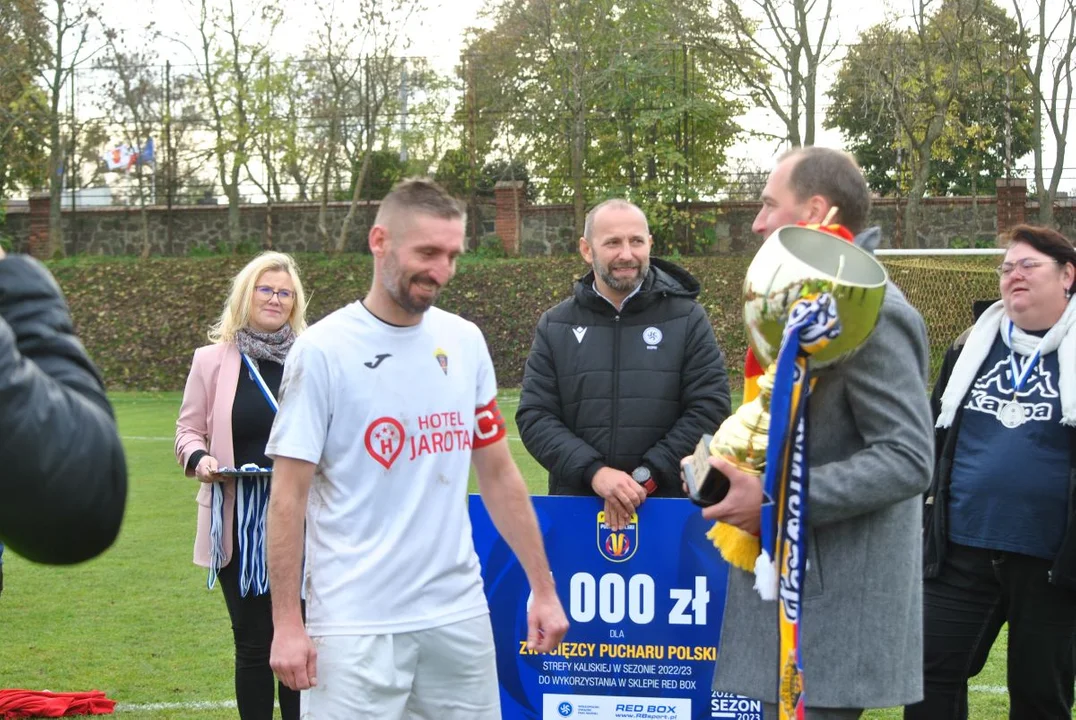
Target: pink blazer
[205,423]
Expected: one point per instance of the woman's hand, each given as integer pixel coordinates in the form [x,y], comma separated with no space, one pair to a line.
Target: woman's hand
[206,470]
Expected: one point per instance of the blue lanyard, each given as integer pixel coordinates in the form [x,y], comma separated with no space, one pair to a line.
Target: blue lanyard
[1018,379]
[265,388]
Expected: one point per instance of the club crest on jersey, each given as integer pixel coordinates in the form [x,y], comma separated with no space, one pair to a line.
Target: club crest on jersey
[652,337]
[618,545]
[385,440]
[442,359]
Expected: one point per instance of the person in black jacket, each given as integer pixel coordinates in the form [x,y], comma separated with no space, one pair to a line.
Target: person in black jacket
[999,535]
[63,487]
[624,377]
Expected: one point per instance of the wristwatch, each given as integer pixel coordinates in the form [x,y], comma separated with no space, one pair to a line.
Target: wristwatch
[643,476]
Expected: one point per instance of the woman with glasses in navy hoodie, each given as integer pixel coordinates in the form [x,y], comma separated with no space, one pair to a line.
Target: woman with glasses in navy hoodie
[1000,541]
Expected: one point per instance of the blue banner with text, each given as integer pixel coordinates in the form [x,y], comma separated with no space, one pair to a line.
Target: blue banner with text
[645,606]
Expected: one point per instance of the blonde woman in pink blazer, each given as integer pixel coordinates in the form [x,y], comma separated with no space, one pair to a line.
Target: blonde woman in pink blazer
[228,408]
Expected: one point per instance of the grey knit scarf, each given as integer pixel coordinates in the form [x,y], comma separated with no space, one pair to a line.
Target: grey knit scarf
[272,346]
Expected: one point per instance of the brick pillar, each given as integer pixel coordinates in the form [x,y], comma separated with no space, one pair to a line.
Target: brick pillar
[39,225]
[1012,203]
[508,197]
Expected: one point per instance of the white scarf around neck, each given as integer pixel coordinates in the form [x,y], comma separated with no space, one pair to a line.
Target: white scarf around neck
[1061,337]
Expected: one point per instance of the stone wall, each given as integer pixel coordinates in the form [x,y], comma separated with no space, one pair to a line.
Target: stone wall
[118,230]
[947,222]
[548,230]
[1064,214]
[543,230]
[959,222]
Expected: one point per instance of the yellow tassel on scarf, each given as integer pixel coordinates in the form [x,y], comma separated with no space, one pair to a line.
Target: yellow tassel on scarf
[739,548]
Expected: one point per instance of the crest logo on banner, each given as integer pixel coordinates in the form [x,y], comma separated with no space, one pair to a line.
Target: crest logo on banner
[618,545]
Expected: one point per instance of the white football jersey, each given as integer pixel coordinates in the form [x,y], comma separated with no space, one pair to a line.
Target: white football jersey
[389,415]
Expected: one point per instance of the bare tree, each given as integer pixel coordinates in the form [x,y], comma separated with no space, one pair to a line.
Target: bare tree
[277,125]
[432,97]
[135,96]
[187,176]
[284,147]
[337,83]
[300,136]
[788,43]
[1055,75]
[68,26]
[362,72]
[229,53]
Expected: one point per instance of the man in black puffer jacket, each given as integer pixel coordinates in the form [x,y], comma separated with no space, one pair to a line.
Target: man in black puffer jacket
[624,377]
[64,480]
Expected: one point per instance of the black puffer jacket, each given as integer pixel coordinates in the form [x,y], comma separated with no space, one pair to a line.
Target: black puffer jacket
[64,480]
[622,389]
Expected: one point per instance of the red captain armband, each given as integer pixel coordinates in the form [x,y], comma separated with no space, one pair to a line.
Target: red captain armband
[489,425]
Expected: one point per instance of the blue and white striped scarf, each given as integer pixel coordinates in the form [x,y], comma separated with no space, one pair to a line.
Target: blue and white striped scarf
[252,502]
[780,570]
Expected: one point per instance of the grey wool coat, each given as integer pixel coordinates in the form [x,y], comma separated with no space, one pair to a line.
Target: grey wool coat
[871,449]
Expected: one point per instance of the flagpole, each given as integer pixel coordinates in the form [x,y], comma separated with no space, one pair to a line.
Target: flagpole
[72,164]
[168,166]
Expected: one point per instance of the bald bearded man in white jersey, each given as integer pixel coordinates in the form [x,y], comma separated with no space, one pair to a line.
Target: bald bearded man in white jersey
[384,406]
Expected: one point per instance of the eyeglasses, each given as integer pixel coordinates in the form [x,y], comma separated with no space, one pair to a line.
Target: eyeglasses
[1025,265]
[266,293]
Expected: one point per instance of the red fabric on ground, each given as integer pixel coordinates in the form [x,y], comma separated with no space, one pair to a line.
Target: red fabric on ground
[41,703]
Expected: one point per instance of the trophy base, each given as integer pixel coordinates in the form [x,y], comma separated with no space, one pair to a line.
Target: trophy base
[705,485]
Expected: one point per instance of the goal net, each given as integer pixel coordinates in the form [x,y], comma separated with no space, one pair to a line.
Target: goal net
[943,285]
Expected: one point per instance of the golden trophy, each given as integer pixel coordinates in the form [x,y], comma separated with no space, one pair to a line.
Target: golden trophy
[794,262]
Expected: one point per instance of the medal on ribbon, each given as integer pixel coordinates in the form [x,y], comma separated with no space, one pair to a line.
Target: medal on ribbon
[1011,413]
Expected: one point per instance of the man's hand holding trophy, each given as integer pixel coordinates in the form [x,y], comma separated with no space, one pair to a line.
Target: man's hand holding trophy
[794,263]
[811,298]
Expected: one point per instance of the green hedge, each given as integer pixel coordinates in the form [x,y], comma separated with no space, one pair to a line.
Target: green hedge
[142,319]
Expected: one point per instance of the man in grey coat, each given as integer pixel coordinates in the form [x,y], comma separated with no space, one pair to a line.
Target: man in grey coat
[861,635]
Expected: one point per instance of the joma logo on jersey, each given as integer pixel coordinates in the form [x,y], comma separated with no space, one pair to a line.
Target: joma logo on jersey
[618,545]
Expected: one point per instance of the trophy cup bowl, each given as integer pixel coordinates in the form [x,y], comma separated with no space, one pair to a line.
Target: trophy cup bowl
[793,262]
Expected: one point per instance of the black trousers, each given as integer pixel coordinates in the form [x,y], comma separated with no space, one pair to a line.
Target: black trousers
[252,628]
[964,608]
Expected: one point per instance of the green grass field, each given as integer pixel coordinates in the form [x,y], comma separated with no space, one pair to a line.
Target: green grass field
[138,623]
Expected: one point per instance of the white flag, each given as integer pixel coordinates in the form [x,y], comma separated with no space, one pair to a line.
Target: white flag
[120,157]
